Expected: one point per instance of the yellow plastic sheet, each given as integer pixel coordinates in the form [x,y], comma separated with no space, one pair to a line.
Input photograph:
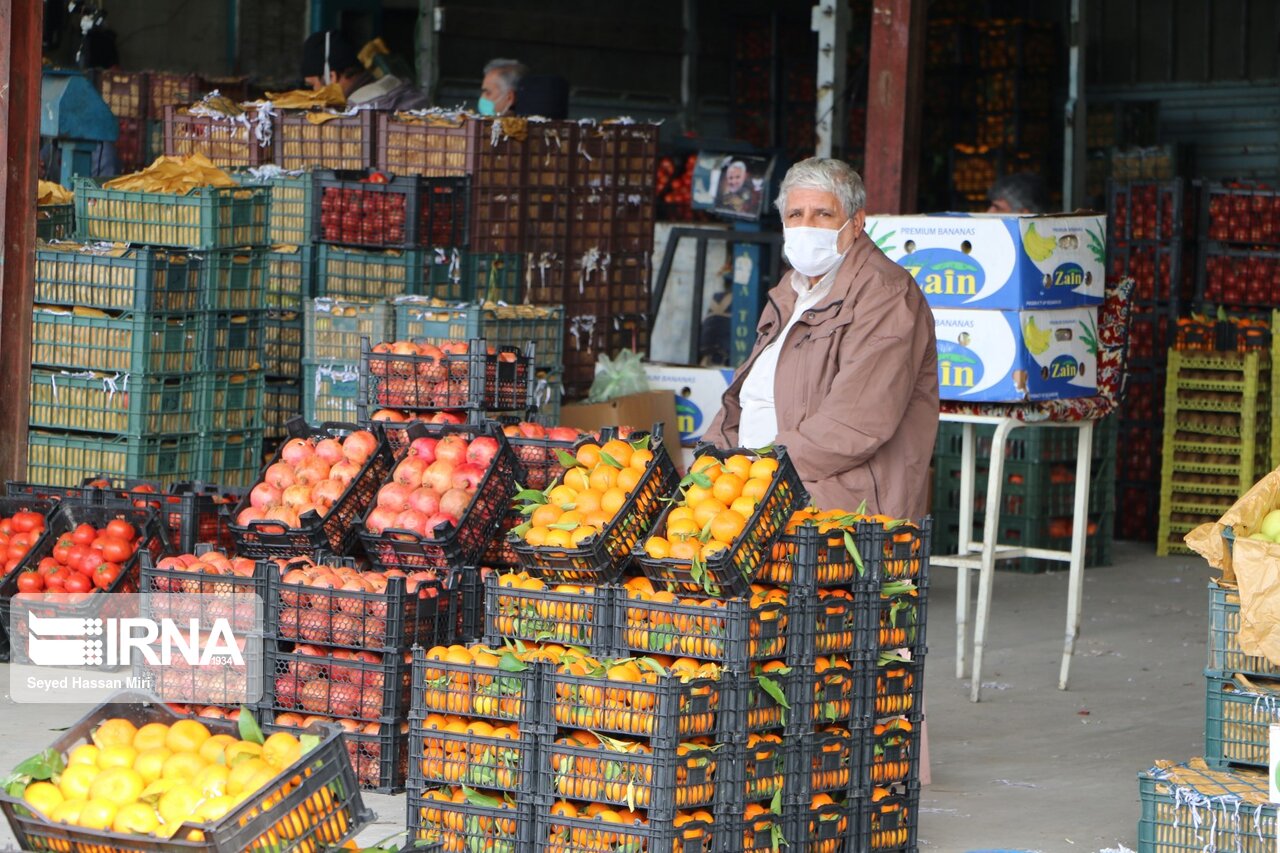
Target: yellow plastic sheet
[330,97]
[48,192]
[176,175]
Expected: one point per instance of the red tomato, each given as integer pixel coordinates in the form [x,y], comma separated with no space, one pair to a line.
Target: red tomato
[62,550]
[25,521]
[84,534]
[15,552]
[30,582]
[56,580]
[6,526]
[23,540]
[78,582]
[121,529]
[88,563]
[116,550]
[47,565]
[106,574]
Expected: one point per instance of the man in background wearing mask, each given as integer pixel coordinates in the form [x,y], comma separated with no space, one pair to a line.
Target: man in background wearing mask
[498,89]
[844,371]
[327,58]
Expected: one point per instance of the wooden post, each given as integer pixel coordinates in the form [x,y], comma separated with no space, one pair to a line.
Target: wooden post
[20,45]
[893,105]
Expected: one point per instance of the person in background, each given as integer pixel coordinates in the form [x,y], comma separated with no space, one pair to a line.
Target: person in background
[499,88]
[327,58]
[844,371]
[1024,192]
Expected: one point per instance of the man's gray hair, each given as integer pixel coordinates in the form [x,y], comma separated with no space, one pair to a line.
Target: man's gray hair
[833,176]
[509,72]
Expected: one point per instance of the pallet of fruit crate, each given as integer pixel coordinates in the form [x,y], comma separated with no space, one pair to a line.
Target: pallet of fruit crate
[1042,490]
[119,278]
[501,325]
[202,218]
[1241,213]
[232,340]
[562,826]
[1147,211]
[1239,713]
[466,375]
[108,403]
[290,275]
[467,486]
[447,749]
[60,458]
[519,607]
[343,272]
[316,792]
[379,210]
[1190,806]
[364,685]
[265,527]
[888,818]
[55,221]
[225,684]
[454,144]
[125,92]
[833,548]
[89,339]
[635,474]
[242,140]
[335,327]
[339,140]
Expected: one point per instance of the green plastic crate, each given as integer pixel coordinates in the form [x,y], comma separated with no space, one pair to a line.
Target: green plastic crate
[231,459]
[1210,813]
[130,343]
[548,398]
[233,340]
[334,328]
[1032,533]
[1225,654]
[115,404]
[1037,444]
[1238,718]
[290,277]
[61,458]
[500,325]
[283,401]
[282,345]
[55,221]
[118,279]
[234,280]
[231,401]
[291,194]
[456,275]
[1030,489]
[330,391]
[204,218]
[367,275]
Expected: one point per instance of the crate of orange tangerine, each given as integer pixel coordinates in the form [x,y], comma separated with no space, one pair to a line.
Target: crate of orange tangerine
[134,776]
[584,526]
[521,607]
[838,547]
[721,521]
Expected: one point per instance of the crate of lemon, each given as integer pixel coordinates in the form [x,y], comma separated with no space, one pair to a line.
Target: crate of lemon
[134,776]
[584,526]
[721,522]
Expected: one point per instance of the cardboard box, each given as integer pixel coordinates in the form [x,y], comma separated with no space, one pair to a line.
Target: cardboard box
[1015,356]
[994,261]
[698,393]
[641,411]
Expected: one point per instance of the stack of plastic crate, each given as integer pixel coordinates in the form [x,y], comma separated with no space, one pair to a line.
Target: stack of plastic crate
[148,355]
[1038,494]
[332,332]
[1216,437]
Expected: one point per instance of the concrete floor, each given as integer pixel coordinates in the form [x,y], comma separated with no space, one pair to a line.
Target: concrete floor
[1030,768]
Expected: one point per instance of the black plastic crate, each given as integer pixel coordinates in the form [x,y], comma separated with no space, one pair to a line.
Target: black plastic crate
[666,708]
[508,690]
[752,829]
[497,758]
[476,379]
[822,760]
[218,684]
[193,590]
[894,551]
[538,458]
[822,829]
[379,750]
[888,685]
[811,557]
[729,571]
[888,819]
[735,630]
[560,833]
[829,691]
[471,599]
[22,503]
[474,820]
[499,554]
[581,616]
[601,559]
[660,779]
[770,697]
[337,530]
[317,793]
[358,207]
[393,619]
[16,489]
[192,512]
[888,752]
[759,768]
[349,689]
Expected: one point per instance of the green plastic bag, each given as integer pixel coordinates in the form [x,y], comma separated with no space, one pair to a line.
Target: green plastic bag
[618,377]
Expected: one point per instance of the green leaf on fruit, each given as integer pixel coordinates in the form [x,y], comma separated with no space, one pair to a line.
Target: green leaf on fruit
[510,663]
[475,798]
[249,729]
[309,742]
[532,495]
[567,460]
[852,548]
[768,685]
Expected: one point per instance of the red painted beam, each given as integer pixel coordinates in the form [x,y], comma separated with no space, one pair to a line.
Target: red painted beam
[20,63]
[893,105]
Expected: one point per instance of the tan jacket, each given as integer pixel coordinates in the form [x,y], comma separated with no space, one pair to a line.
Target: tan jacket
[856,388]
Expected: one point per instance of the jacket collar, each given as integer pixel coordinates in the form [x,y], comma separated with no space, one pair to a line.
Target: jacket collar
[784,297]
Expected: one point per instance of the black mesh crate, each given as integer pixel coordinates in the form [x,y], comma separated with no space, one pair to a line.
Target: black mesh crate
[499,758]
[822,760]
[499,553]
[136,278]
[559,832]
[225,685]
[888,684]
[538,460]
[496,688]
[336,531]
[358,207]
[466,819]
[825,828]
[378,749]
[752,829]
[353,689]
[730,571]
[829,691]
[734,630]
[756,768]
[887,752]
[771,696]
[887,819]
[522,608]
[660,778]
[894,551]
[468,376]
[16,489]
[810,556]
[891,615]
[665,707]
[198,591]
[233,341]
[455,545]
[471,597]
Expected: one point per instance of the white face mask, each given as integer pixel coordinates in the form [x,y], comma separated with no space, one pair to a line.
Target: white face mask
[812,251]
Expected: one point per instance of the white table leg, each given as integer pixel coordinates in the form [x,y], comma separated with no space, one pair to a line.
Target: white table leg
[990,538]
[968,474]
[1079,538]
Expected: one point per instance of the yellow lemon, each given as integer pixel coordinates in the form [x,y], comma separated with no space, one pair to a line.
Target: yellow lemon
[44,797]
[261,779]
[115,732]
[179,803]
[135,819]
[150,763]
[85,753]
[186,736]
[117,785]
[151,736]
[116,755]
[97,814]
[76,780]
[214,809]
[182,765]
[212,781]
[243,772]
[214,750]
[281,750]
[67,811]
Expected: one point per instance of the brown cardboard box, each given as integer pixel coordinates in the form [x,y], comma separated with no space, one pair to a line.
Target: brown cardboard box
[640,411]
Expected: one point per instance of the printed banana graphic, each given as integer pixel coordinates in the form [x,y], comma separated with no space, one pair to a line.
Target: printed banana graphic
[1037,340]
[1038,247]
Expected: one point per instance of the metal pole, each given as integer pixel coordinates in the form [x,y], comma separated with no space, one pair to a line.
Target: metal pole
[896,68]
[1075,131]
[830,20]
[430,22]
[689,69]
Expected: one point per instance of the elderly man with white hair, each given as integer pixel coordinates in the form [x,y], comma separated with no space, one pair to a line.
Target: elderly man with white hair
[844,371]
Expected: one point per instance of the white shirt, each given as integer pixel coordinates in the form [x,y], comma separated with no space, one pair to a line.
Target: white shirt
[758,426]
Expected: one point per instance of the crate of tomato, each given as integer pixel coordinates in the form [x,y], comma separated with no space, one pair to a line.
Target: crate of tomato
[317,486]
[379,209]
[443,501]
[192,512]
[23,524]
[423,376]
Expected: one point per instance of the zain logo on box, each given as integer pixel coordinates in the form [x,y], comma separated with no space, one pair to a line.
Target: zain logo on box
[944,272]
[958,366]
[1064,367]
[688,415]
[1070,275]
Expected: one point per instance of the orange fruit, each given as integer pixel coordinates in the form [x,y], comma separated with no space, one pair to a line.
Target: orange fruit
[117,755]
[75,781]
[763,468]
[739,465]
[640,459]
[115,731]
[588,456]
[561,495]
[604,477]
[713,547]
[744,505]
[657,547]
[708,465]
[545,515]
[135,819]
[577,479]
[182,765]
[151,763]
[687,549]
[619,451]
[44,797]
[695,495]
[599,519]
[683,527]
[281,749]
[187,735]
[558,539]
[570,519]
[628,479]
[727,525]
[680,512]
[706,510]
[727,488]
[582,533]
[536,536]
[587,501]
[612,500]
[85,753]
[117,785]
[755,488]
[151,736]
